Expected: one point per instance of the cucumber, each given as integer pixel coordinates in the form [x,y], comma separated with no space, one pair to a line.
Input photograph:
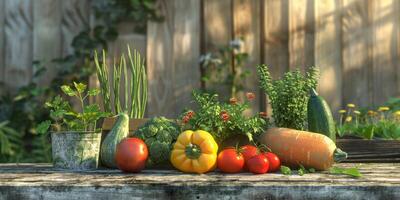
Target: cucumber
[119,131]
[320,118]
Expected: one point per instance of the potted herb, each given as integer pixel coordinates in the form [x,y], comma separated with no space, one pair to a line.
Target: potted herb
[225,121]
[74,137]
[124,91]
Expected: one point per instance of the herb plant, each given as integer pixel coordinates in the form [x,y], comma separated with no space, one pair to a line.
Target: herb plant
[135,86]
[289,95]
[65,118]
[369,124]
[223,120]
[159,134]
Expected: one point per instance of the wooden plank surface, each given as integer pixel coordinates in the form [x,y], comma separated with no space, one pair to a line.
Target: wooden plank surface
[18,42]
[160,63]
[357,62]
[218,32]
[29,181]
[47,36]
[385,56]
[301,34]
[328,51]
[186,48]
[246,24]
[75,18]
[275,39]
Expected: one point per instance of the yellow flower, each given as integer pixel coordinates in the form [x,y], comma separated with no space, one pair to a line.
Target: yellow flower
[371,113]
[357,112]
[350,105]
[397,113]
[348,119]
[383,108]
[342,111]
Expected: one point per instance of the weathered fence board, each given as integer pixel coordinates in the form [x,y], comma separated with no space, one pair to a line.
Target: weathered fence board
[301,34]
[246,24]
[385,56]
[47,35]
[18,43]
[356,63]
[328,50]
[354,42]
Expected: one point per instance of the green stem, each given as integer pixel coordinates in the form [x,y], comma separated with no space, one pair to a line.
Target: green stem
[339,155]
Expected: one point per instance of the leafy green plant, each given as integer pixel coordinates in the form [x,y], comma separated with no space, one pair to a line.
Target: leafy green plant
[65,118]
[369,124]
[135,86]
[223,120]
[159,134]
[10,142]
[289,95]
[217,67]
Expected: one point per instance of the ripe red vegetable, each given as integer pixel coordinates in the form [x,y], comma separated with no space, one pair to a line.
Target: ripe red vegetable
[274,161]
[258,164]
[230,160]
[131,155]
[248,151]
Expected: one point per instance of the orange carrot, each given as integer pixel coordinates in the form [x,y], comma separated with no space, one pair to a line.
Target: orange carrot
[294,148]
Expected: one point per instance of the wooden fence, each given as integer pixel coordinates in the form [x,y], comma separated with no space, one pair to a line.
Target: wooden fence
[355,43]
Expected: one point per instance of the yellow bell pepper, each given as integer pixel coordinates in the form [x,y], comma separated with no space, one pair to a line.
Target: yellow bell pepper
[194,152]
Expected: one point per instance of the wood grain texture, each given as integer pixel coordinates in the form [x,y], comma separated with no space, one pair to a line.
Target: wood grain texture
[246,24]
[186,49]
[218,32]
[18,42]
[33,181]
[385,55]
[275,39]
[301,33]
[47,36]
[357,62]
[160,69]
[327,53]
[75,18]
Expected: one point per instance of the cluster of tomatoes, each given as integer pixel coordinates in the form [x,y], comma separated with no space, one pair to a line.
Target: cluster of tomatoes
[248,158]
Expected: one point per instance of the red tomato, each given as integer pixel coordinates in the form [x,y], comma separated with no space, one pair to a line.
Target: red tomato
[274,161]
[230,161]
[258,164]
[248,151]
[131,155]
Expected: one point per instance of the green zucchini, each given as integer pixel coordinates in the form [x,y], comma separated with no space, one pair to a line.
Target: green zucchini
[119,131]
[320,118]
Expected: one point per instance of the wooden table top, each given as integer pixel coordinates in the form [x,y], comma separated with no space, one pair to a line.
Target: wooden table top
[380,180]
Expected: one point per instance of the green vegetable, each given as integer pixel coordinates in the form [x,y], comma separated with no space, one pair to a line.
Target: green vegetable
[135,85]
[159,134]
[354,172]
[320,118]
[119,131]
[224,120]
[285,170]
[289,95]
[65,118]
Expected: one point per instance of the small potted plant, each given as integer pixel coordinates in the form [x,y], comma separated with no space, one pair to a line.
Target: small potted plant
[225,120]
[74,137]
[126,90]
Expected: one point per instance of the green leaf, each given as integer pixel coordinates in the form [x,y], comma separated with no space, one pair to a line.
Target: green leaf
[93,92]
[311,170]
[43,127]
[302,171]
[68,90]
[285,170]
[80,87]
[354,172]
